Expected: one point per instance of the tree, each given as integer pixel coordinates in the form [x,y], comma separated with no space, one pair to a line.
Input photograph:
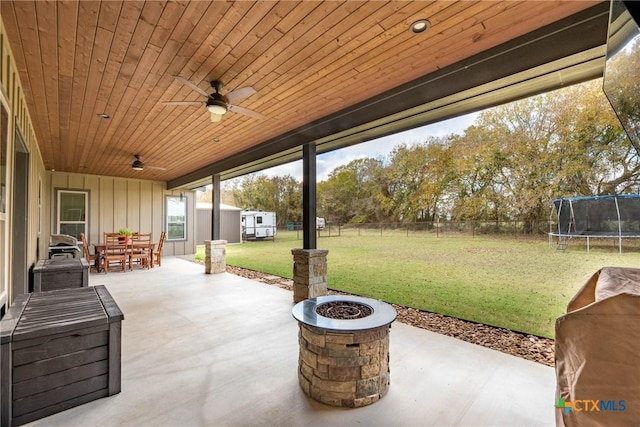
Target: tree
[522,137]
[349,195]
[226,189]
[475,194]
[509,165]
[623,87]
[520,156]
[416,180]
[204,196]
[279,194]
[596,155]
[288,196]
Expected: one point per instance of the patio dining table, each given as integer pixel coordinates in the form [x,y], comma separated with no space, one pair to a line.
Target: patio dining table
[100,249]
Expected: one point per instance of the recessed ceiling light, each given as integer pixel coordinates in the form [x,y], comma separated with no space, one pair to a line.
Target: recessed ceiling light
[104,116]
[420,26]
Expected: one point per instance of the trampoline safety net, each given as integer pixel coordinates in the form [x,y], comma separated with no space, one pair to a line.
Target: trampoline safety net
[615,216]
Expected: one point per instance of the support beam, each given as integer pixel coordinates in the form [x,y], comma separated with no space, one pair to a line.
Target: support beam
[215,210]
[309,196]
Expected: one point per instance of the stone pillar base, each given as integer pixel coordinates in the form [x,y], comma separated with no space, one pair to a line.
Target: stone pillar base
[348,369]
[309,273]
[215,260]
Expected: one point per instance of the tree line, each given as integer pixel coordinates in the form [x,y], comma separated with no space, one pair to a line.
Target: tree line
[509,165]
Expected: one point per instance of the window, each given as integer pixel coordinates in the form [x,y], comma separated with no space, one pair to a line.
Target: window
[176,218]
[72,212]
[258,220]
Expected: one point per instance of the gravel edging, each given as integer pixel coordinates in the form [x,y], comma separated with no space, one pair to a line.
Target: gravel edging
[530,347]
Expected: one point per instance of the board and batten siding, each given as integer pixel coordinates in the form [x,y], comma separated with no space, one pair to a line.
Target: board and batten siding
[19,121]
[115,203]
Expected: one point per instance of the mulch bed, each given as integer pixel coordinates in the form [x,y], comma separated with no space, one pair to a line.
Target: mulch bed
[526,346]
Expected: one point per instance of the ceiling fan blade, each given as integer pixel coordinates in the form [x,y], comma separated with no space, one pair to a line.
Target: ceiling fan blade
[182,102]
[191,85]
[245,111]
[240,94]
[155,167]
[216,118]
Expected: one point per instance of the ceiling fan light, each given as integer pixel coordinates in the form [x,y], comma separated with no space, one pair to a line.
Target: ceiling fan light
[216,106]
[137,165]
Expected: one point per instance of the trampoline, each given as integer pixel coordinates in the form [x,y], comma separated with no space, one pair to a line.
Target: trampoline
[593,217]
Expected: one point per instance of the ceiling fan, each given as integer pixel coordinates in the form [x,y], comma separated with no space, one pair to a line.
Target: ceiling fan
[138,165]
[216,103]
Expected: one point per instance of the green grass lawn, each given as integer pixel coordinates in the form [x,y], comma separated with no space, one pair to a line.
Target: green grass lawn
[521,285]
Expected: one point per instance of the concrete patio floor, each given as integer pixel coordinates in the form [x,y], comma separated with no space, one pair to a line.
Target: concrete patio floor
[222,350]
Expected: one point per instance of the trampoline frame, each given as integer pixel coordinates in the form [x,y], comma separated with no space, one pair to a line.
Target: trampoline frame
[597,235]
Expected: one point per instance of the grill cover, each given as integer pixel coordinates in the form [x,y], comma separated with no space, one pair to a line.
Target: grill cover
[63,240]
[597,352]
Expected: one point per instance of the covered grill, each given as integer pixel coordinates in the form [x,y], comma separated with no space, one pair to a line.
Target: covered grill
[63,245]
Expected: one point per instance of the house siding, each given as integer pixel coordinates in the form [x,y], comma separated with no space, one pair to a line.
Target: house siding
[37,207]
[113,202]
[117,202]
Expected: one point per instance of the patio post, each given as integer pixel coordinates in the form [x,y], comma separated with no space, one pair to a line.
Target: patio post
[215,256]
[215,210]
[309,263]
[309,196]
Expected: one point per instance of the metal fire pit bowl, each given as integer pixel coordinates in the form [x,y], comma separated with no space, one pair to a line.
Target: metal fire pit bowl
[305,312]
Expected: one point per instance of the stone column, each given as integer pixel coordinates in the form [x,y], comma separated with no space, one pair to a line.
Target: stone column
[309,273]
[215,260]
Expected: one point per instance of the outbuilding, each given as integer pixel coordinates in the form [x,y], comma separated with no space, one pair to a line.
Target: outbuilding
[230,226]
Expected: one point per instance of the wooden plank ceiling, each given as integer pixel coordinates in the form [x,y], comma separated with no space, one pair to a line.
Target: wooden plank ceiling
[305,60]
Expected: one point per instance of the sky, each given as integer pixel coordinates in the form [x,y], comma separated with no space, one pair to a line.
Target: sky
[327,162]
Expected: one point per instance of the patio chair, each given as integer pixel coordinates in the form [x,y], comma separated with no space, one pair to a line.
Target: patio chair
[94,260]
[140,248]
[114,252]
[157,253]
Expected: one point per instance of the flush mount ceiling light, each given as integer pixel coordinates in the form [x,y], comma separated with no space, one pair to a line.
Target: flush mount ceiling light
[420,26]
[104,116]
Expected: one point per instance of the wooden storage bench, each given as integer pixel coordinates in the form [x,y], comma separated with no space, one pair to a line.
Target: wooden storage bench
[58,349]
[60,273]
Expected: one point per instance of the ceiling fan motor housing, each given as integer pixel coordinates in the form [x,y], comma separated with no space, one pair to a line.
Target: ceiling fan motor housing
[137,165]
[217,104]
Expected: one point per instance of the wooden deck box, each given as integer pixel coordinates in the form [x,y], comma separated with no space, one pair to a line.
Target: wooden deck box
[58,349]
[60,273]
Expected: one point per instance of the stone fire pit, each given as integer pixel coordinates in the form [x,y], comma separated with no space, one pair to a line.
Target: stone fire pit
[344,349]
